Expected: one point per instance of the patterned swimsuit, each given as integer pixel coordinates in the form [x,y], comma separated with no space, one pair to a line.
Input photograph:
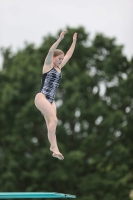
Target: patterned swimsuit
[50,83]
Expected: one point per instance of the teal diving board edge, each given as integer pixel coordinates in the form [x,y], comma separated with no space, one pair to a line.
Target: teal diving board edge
[31,195]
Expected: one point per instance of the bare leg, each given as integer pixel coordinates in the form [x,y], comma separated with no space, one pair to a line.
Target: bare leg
[55,155]
[52,148]
[51,120]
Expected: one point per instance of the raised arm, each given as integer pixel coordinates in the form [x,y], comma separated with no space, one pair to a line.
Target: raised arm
[48,59]
[70,51]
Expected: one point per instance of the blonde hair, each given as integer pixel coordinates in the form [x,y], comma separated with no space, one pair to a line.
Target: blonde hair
[57,52]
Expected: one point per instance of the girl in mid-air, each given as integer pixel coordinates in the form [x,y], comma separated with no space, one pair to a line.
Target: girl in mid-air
[44,99]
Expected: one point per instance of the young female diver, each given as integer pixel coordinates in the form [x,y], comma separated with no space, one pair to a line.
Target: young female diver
[44,99]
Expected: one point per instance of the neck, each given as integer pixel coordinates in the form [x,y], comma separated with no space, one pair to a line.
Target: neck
[57,67]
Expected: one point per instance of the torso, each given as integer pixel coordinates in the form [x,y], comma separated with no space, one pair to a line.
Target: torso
[50,83]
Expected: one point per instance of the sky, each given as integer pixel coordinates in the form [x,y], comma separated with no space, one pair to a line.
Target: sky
[30,20]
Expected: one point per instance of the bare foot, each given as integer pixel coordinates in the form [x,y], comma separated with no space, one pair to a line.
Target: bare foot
[56,153]
[59,156]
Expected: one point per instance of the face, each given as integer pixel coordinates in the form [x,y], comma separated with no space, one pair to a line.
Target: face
[58,60]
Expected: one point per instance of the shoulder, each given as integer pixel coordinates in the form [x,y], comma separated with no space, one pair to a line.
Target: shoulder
[46,68]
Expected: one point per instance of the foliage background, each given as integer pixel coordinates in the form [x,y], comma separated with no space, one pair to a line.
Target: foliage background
[95,112]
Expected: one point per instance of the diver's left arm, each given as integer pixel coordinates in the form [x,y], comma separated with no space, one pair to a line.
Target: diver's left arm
[70,51]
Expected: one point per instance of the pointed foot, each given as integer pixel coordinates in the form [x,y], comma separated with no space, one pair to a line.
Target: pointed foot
[59,156]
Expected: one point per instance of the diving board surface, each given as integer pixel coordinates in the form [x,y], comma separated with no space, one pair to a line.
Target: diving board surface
[31,195]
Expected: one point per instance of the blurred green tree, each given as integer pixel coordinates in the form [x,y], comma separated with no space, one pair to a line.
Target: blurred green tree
[95,111]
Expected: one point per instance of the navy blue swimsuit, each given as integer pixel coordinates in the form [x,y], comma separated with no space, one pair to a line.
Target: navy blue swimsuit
[50,83]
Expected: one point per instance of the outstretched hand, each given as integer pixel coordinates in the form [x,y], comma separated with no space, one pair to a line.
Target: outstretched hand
[74,37]
[62,34]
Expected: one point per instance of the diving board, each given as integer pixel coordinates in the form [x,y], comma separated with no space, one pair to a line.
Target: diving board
[31,195]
